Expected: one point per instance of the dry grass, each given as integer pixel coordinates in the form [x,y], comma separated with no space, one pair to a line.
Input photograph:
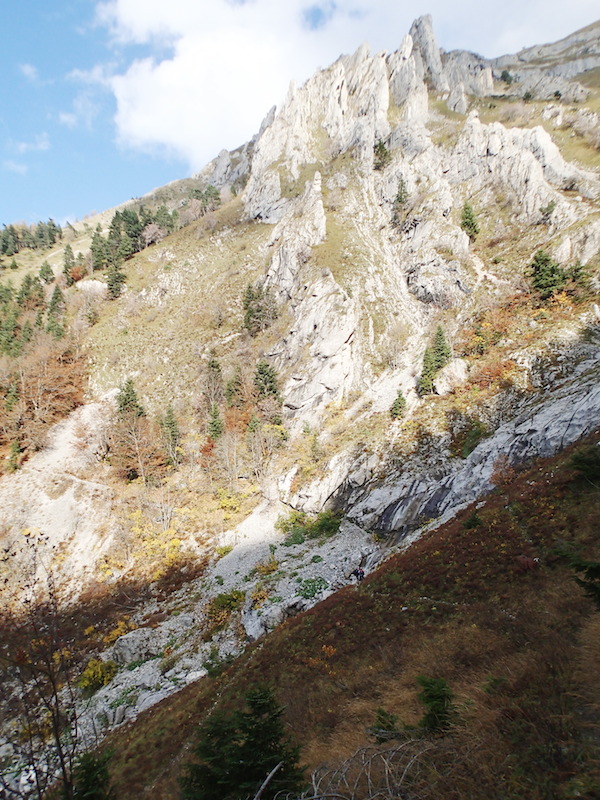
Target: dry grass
[518,649]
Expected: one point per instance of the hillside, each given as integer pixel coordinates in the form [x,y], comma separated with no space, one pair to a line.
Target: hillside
[220,399]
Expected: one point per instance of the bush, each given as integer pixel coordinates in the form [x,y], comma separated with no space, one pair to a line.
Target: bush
[468,222]
[547,276]
[96,674]
[437,699]
[586,462]
[311,587]
[236,753]
[382,156]
[398,406]
[228,601]
[299,526]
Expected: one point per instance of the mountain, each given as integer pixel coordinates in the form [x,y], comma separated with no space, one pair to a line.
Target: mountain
[323,347]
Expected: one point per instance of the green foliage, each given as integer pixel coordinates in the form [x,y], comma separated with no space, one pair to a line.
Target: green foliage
[265,380]
[260,309]
[96,674]
[237,751]
[215,426]
[46,273]
[68,264]
[127,401]
[434,358]
[228,601]
[586,462]
[209,197]
[385,726]
[506,77]
[214,664]
[528,96]
[546,212]
[382,156]
[590,582]
[311,587]
[472,521]
[398,406]
[298,526]
[91,780]
[115,280]
[437,699]
[171,436]
[468,222]
[428,370]
[547,277]
[399,202]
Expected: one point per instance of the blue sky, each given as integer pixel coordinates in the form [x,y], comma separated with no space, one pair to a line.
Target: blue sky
[103,101]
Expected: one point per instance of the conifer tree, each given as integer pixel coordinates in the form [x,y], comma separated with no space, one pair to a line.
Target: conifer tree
[468,222]
[428,370]
[398,406]
[171,436]
[46,273]
[68,264]
[127,400]
[547,276]
[215,423]
[115,279]
[265,380]
[237,752]
[441,350]
[57,302]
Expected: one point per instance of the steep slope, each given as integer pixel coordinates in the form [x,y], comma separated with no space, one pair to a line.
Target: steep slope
[393,203]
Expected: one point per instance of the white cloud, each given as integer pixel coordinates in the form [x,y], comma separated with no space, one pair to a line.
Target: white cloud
[29,71]
[39,144]
[84,111]
[213,68]
[14,166]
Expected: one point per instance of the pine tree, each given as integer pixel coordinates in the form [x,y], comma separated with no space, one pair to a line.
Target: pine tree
[441,350]
[90,778]
[171,436]
[468,222]
[238,751]
[68,264]
[57,302]
[215,423]
[398,406]
[115,280]
[46,273]
[127,401]
[265,380]
[547,276]
[427,372]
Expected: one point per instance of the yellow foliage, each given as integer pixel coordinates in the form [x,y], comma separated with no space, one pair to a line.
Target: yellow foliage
[123,626]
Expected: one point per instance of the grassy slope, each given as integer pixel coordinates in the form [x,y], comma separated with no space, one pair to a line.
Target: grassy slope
[520,650]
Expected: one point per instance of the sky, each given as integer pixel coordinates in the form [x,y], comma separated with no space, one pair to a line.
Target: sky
[102,101]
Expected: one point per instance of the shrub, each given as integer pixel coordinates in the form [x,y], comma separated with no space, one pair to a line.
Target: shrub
[311,587]
[299,526]
[547,276]
[96,674]
[468,222]
[382,156]
[437,699]
[228,601]
[586,462]
[506,77]
[260,309]
[398,406]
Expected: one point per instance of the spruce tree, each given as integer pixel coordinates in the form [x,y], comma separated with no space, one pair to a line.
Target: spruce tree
[171,436]
[398,406]
[68,264]
[115,279]
[215,423]
[127,400]
[468,222]
[441,350]
[547,276]
[425,385]
[46,273]
[265,380]
[236,753]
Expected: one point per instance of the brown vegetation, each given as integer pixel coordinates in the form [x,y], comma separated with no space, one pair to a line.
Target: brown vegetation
[516,647]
